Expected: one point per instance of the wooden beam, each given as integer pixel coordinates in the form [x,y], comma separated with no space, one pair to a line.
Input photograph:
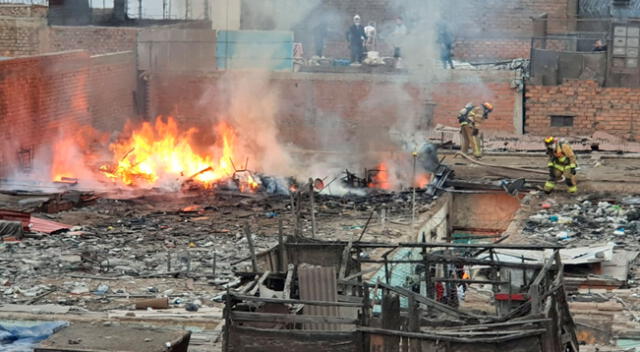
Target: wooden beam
[287,282]
[290,318]
[295,301]
[438,337]
[260,282]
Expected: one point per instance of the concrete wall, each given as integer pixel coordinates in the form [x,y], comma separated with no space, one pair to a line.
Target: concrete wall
[595,108]
[491,212]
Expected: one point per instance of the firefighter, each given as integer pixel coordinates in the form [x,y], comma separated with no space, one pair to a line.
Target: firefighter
[562,162]
[469,120]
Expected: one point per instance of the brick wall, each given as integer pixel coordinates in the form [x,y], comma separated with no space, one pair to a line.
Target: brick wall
[22,29]
[612,110]
[112,87]
[491,29]
[472,49]
[454,92]
[39,97]
[97,40]
[42,96]
[316,111]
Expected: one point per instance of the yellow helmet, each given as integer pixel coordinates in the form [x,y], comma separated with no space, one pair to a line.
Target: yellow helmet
[549,140]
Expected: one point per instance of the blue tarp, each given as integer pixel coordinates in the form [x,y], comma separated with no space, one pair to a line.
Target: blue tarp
[23,336]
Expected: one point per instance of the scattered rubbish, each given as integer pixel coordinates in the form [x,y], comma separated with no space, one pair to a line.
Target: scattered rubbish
[102,290]
[191,307]
[24,335]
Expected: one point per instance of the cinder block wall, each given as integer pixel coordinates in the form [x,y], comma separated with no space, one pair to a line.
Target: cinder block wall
[595,108]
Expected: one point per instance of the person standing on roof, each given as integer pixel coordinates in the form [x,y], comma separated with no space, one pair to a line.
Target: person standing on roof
[356,38]
[562,163]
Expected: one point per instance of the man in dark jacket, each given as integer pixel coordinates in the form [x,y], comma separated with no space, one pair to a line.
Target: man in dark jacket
[356,38]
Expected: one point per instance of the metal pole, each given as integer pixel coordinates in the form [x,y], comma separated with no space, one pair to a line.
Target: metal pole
[313,209]
[139,9]
[413,186]
[164,9]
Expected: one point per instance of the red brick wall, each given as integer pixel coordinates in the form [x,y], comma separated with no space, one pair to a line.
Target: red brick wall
[40,96]
[451,97]
[112,86]
[490,29]
[470,49]
[361,109]
[612,110]
[96,40]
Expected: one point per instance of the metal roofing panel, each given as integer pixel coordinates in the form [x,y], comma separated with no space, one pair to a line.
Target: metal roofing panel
[318,283]
[12,215]
[47,226]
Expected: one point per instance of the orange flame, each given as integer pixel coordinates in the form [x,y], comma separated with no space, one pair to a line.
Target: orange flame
[381,178]
[161,150]
[422,180]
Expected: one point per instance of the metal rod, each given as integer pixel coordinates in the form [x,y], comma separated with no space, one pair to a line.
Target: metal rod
[313,209]
[413,193]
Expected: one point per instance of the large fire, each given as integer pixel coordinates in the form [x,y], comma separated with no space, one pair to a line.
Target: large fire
[159,151]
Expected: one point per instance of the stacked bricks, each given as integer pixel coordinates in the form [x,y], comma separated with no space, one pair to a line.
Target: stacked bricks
[611,110]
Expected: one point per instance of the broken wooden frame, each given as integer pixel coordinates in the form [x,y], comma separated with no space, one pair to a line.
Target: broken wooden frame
[541,322]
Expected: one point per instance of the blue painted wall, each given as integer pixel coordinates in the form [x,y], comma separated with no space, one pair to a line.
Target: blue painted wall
[270,50]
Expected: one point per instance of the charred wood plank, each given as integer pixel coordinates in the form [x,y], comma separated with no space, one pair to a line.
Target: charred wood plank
[294,301]
[290,318]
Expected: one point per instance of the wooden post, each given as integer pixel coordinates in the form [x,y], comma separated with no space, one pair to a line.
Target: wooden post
[252,251]
[386,269]
[298,231]
[313,208]
[391,320]
[287,282]
[227,322]
[282,255]
[414,323]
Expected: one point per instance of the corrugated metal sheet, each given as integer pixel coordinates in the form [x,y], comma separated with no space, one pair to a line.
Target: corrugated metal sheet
[318,283]
[270,50]
[47,226]
[12,215]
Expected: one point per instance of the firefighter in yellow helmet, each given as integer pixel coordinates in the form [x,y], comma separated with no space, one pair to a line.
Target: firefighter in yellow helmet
[469,120]
[562,162]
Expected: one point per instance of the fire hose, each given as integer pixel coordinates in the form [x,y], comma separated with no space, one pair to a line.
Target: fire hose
[501,166]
